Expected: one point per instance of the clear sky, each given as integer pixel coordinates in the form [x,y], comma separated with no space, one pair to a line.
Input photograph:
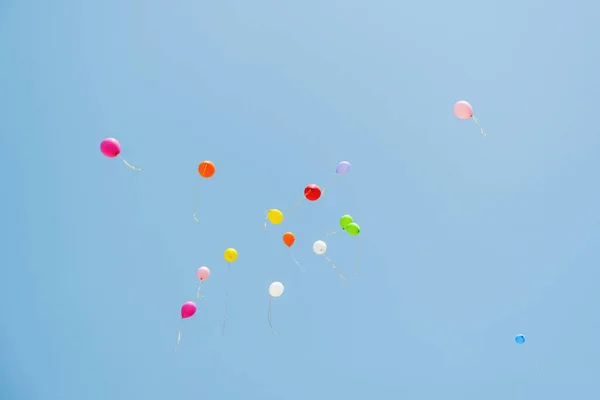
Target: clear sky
[466,241]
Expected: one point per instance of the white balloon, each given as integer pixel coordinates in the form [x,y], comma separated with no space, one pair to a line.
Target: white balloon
[276,289]
[320,247]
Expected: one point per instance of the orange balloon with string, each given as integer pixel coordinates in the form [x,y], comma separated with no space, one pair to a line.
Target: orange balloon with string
[206,169]
[289,239]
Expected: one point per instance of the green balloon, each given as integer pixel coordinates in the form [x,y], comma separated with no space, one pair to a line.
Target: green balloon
[353,229]
[345,220]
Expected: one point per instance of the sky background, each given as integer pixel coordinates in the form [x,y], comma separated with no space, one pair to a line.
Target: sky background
[466,241]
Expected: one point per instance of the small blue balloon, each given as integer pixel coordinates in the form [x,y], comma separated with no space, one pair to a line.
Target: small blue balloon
[520,339]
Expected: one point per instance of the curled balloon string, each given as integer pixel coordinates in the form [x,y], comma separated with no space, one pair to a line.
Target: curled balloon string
[269,316]
[226,300]
[198,293]
[357,253]
[296,261]
[178,339]
[196,201]
[129,165]
[335,268]
[479,125]
[266,217]
[330,233]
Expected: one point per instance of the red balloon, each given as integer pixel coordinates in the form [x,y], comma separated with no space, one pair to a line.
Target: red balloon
[312,192]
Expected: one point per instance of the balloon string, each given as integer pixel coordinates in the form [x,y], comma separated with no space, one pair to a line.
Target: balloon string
[129,165]
[330,233]
[330,183]
[538,364]
[357,252]
[335,268]
[198,294]
[225,315]
[296,205]
[226,300]
[269,317]
[479,125]
[178,339]
[266,217]
[196,201]
[296,261]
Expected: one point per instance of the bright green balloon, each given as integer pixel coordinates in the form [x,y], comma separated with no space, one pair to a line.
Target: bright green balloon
[353,229]
[345,220]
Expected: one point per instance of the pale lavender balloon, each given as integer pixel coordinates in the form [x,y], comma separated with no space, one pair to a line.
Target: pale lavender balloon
[343,168]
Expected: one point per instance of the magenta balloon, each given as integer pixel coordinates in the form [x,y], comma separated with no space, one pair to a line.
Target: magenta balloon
[463,110]
[188,309]
[343,167]
[203,273]
[110,147]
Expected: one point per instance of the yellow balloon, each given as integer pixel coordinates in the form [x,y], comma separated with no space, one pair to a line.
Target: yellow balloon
[230,255]
[275,216]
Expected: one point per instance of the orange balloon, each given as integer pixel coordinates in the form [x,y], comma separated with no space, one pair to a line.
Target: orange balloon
[289,239]
[206,169]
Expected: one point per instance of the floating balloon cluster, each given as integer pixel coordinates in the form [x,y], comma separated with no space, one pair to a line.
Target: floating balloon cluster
[111,148]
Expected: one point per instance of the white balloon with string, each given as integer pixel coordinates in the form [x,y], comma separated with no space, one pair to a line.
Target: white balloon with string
[275,290]
[320,248]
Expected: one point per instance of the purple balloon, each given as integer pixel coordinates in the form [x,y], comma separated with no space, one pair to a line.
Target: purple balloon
[343,167]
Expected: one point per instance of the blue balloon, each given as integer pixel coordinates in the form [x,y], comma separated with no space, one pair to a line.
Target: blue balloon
[520,339]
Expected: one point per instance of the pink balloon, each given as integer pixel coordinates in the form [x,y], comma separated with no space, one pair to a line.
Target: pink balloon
[110,147]
[463,110]
[203,273]
[188,309]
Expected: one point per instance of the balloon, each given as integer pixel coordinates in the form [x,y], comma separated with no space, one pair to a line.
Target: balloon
[203,273]
[275,216]
[110,147]
[230,255]
[463,110]
[353,229]
[312,192]
[345,220]
[276,289]
[206,169]
[320,247]
[188,309]
[343,168]
[520,339]
[289,239]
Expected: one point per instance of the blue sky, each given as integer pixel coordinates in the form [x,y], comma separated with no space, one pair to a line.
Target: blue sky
[466,241]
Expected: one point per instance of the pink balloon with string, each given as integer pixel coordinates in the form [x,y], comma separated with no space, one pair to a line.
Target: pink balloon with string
[203,273]
[188,309]
[463,110]
[111,148]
